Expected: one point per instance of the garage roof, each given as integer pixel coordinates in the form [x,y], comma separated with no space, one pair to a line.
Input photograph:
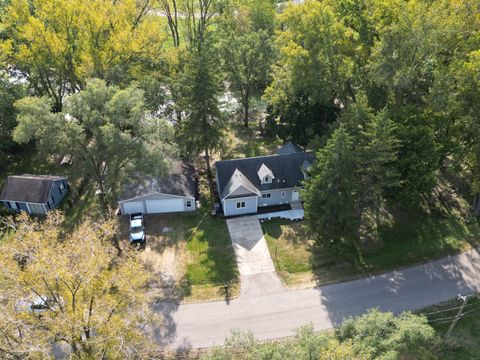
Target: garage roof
[180,180]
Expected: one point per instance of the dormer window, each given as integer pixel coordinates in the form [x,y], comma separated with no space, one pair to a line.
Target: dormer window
[265,174]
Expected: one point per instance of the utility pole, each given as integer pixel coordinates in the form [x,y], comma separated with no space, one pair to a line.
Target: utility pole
[458,316]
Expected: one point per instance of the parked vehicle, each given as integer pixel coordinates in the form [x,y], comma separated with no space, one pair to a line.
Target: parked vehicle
[38,304]
[137,228]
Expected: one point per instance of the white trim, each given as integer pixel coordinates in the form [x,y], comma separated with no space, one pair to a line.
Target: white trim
[155,193]
[241,197]
[24,202]
[281,189]
[28,208]
[238,187]
[244,203]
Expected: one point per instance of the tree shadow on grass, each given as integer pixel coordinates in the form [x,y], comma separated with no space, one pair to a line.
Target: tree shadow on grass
[216,261]
[412,236]
[211,253]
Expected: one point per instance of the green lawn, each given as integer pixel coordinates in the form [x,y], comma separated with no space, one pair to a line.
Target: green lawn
[463,343]
[204,258]
[410,238]
[210,258]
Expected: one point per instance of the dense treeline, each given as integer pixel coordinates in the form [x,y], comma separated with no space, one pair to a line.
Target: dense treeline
[387,91]
[375,335]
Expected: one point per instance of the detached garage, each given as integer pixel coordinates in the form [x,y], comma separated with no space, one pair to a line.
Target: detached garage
[177,192]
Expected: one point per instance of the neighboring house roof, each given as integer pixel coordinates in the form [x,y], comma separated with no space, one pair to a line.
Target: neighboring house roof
[29,188]
[289,148]
[180,181]
[239,186]
[287,170]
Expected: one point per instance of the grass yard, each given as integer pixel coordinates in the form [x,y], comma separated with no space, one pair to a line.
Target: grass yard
[210,259]
[246,142]
[463,343]
[408,239]
[190,256]
[298,260]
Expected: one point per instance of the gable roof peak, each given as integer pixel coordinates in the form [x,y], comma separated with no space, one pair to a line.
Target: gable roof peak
[264,171]
[237,180]
[289,148]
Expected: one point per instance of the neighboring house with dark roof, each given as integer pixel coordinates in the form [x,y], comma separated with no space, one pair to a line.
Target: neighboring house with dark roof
[175,192]
[246,184]
[35,194]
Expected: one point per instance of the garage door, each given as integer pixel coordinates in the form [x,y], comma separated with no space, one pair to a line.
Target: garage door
[133,207]
[165,205]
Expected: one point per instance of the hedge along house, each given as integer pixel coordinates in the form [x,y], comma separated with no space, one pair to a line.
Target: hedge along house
[176,192]
[35,194]
[246,184]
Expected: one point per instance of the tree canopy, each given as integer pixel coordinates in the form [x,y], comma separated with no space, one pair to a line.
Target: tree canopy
[57,45]
[71,290]
[105,127]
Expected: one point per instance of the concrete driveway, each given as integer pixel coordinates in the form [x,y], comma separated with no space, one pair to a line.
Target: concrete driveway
[250,246]
[257,271]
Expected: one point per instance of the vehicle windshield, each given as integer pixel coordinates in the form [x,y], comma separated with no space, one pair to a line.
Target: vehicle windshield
[136,229]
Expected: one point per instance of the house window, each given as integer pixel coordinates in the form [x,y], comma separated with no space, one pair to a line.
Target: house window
[62,188]
[189,203]
[266,196]
[240,204]
[12,205]
[282,195]
[50,202]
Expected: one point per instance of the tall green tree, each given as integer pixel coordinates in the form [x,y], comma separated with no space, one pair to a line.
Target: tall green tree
[105,127]
[314,70]
[9,92]
[375,139]
[380,155]
[201,129]
[247,48]
[332,207]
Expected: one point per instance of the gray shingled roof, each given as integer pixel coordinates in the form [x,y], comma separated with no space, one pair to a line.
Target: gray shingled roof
[28,188]
[289,148]
[180,180]
[286,168]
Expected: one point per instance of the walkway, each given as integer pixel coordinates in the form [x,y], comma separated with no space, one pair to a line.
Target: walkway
[276,312]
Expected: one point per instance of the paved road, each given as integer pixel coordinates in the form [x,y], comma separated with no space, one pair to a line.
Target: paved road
[278,311]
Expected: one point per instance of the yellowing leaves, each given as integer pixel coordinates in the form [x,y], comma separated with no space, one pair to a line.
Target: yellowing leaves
[61,43]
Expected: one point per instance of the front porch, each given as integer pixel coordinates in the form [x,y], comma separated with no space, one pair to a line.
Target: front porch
[294,213]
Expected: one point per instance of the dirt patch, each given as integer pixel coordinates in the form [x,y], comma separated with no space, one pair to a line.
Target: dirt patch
[164,254]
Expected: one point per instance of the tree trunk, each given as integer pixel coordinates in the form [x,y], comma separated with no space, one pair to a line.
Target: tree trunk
[476,205]
[209,174]
[246,108]
[101,196]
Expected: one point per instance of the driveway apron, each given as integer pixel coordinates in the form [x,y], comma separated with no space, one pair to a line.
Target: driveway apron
[257,271]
